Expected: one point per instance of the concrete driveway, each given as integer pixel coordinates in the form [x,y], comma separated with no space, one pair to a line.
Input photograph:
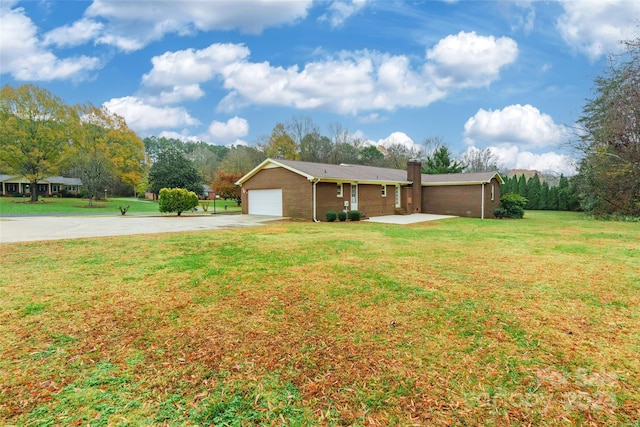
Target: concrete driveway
[33,228]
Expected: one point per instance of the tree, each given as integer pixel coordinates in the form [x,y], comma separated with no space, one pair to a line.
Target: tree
[315,148]
[609,138]
[205,159]
[177,200]
[371,156]
[36,132]
[173,170]
[522,186]
[225,186]
[281,145]
[440,162]
[94,170]
[154,146]
[301,126]
[241,159]
[544,196]
[107,133]
[397,155]
[476,160]
[533,192]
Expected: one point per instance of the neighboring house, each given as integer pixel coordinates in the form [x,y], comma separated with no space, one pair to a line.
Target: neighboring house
[309,190]
[17,185]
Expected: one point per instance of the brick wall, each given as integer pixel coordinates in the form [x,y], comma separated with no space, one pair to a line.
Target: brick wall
[461,200]
[296,191]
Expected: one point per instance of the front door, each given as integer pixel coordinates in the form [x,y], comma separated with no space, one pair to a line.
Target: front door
[354,197]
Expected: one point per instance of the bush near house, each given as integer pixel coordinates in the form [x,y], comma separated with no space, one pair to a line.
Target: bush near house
[511,206]
[342,216]
[177,200]
[354,216]
[331,216]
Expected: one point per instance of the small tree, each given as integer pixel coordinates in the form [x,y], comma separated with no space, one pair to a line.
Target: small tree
[177,200]
[225,186]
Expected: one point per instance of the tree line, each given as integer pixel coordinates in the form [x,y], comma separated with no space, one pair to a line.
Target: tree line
[540,194]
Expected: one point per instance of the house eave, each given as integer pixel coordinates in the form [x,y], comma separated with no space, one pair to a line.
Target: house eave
[263,165]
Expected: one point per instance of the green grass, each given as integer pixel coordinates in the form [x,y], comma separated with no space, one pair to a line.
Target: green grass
[50,205]
[456,322]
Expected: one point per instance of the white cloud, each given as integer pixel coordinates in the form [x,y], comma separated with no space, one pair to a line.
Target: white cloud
[23,55]
[469,60]
[398,138]
[230,130]
[595,28]
[340,10]
[190,66]
[515,124]
[132,25]
[177,94]
[76,34]
[346,83]
[511,157]
[142,117]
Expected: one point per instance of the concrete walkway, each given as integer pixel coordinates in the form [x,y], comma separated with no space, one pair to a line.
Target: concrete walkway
[34,228]
[408,219]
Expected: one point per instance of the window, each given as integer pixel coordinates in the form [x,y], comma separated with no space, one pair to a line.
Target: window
[493,192]
[339,191]
[384,191]
[11,188]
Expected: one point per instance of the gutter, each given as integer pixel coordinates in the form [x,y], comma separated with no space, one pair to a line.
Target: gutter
[482,203]
[315,204]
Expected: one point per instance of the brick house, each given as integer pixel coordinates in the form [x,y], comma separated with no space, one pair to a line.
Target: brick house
[309,190]
[53,185]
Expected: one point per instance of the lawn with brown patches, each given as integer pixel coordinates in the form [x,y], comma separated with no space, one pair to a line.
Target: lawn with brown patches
[461,322]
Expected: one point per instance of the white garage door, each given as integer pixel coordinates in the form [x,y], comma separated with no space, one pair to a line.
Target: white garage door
[265,202]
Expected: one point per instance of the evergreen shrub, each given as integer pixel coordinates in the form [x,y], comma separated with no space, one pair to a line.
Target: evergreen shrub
[331,216]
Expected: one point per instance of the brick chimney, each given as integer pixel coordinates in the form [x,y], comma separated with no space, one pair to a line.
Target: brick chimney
[414,174]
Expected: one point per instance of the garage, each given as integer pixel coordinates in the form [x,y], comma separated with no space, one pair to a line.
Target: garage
[265,202]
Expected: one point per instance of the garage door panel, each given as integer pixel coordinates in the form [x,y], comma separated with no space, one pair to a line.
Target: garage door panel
[265,202]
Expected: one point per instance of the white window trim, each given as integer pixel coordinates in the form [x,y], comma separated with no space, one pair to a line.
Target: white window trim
[493,192]
[340,190]
[384,191]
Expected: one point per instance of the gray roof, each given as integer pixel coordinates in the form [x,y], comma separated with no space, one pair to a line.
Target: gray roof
[351,173]
[63,180]
[460,178]
[346,172]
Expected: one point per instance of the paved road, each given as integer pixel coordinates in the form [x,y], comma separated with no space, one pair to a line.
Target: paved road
[33,228]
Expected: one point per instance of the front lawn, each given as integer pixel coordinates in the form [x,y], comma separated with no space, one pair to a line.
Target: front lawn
[452,322]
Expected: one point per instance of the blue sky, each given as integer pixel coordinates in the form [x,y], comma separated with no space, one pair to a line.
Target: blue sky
[510,75]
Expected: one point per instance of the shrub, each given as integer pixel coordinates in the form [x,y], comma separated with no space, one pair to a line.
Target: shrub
[354,216]
[205,206]
[123,209]
[499,213]
[513,205]
[342,216]
[177,200]
[331,216]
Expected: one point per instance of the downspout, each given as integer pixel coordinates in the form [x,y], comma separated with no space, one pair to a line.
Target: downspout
[314,199]
[482,204]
